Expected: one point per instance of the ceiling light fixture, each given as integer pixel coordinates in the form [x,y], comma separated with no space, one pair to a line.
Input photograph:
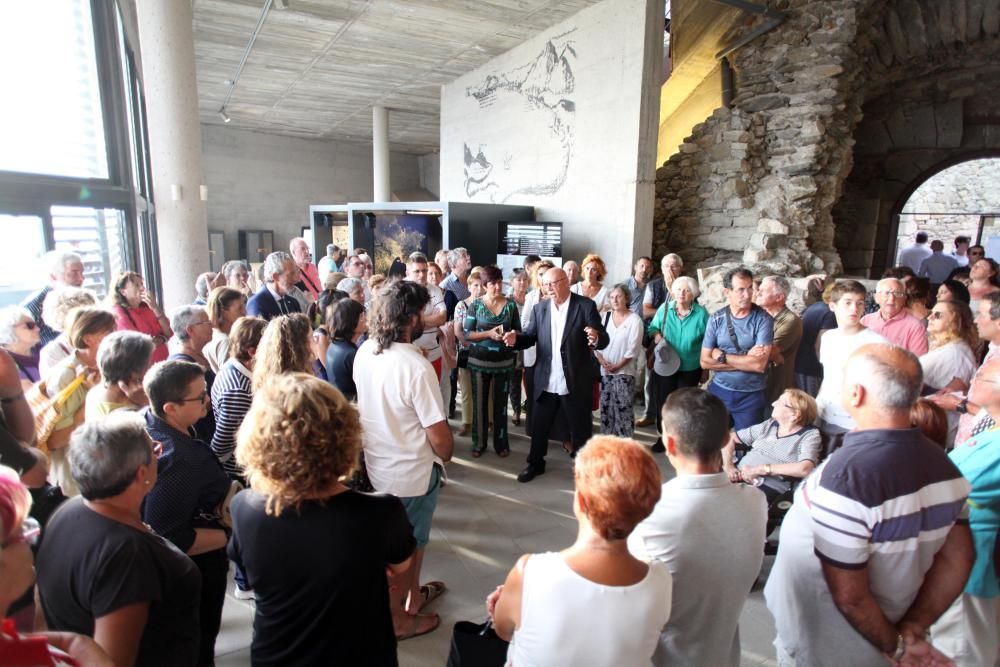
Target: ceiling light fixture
[224,116]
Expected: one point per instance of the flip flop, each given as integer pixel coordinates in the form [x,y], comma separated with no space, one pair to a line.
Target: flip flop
[415,629]
[431,591]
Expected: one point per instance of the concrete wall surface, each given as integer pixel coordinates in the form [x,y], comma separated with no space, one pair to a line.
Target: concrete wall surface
[268,181]
[566,122]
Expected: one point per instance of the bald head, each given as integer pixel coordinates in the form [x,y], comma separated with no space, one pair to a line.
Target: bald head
[890,376]
[555,282]
[985,387]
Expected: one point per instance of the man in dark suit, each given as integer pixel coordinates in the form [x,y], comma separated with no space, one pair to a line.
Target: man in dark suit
[566,329]
[280,273]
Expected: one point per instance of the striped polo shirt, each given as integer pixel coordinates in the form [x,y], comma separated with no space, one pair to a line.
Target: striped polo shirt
[884,501]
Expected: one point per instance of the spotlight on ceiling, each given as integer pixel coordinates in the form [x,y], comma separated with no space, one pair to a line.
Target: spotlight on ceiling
[224,116]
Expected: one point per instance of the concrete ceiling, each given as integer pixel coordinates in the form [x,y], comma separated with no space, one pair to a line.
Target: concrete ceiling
[317,68]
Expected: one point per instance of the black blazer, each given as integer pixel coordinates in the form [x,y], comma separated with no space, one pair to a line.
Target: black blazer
[575,354]
[262,304]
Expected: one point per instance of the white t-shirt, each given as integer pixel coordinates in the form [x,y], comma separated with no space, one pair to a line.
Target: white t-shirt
[398,399]
[567,619]
[429,340]
[625,341]
[835,347]
[600,299]
[952,360]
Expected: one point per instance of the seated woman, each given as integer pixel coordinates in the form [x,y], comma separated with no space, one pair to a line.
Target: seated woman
[136,310]
[123,359]
[20,336]
[784,448]
[185,502]
[102,572]
[315,553]
[348,323]
[594,603]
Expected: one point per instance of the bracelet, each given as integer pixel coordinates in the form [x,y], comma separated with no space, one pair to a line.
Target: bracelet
[767,469]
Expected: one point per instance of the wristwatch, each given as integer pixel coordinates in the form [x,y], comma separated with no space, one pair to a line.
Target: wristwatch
[767,469]
[722,357]
[962,407]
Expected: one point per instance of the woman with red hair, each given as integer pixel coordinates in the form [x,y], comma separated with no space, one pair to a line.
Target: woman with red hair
[626,601]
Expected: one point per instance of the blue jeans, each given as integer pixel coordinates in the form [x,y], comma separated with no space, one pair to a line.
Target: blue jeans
[745,407]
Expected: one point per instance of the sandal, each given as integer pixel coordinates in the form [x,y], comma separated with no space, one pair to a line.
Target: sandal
[431,591]
[517,419]
[476,453]
[503,453]
[568,448]
[419,624]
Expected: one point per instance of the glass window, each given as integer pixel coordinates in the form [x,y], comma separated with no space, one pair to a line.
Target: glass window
[51,121]
[97,235]
[24,238]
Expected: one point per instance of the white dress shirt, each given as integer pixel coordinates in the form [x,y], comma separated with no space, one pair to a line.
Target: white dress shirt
[557,324]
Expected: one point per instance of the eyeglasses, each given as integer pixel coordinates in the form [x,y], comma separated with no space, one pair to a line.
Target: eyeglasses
[892,293]
[30,325]
[198,324]
[936,315]
[554,282]
[200,397]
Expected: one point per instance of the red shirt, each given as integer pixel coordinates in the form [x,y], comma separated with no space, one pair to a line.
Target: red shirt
[143,320]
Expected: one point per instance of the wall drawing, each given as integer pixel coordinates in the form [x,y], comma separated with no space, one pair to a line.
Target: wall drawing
[533,155]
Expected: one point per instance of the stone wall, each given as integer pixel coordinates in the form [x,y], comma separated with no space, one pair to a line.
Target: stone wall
[880,91]
[566,122]
[969,188]
[756,183]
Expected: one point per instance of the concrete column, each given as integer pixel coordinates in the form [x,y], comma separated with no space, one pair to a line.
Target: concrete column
[380,153]
[166,38]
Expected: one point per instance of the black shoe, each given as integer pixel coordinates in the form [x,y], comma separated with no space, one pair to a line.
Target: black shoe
[658,447]
[530,473]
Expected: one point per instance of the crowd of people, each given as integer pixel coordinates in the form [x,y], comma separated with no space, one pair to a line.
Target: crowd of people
[298,432]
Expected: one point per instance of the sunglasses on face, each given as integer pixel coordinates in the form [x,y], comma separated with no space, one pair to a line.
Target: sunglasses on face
[30,325]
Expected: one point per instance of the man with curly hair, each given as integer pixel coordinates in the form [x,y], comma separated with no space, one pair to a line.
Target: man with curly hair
[405,434]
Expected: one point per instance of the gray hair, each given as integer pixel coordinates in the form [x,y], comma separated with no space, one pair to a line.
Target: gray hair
[348,285]
[331,249]
[780,283]
[184,317]
[674,257]
[123,355]
[55,261]
[201,284]
[690,282]
[61,301]
[232,266]
[104,455]
[275,263]
[891,386]
[10,317]
[456,254]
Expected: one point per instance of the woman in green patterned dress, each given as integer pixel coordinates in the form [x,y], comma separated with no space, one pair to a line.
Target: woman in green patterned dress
[490,361]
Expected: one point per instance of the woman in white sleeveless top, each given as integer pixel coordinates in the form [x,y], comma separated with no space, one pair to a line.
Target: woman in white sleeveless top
[592,604]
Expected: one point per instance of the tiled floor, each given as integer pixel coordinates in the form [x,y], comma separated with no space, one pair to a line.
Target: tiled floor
[484,521]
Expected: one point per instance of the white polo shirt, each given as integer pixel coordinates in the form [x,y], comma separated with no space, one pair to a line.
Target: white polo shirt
[398,398]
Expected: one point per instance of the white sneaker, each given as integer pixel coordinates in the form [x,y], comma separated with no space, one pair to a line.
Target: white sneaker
[241,594]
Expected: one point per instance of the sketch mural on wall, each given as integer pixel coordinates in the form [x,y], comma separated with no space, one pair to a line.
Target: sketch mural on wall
[532,158]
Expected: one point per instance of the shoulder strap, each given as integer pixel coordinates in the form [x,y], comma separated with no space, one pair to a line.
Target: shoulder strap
[607,318]
[732,331]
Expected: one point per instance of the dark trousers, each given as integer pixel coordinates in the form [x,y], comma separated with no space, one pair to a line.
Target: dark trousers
[214,568]
[663,386]
[485,386]
[547,408]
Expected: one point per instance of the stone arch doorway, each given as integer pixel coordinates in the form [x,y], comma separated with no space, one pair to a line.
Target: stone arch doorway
[947,200]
